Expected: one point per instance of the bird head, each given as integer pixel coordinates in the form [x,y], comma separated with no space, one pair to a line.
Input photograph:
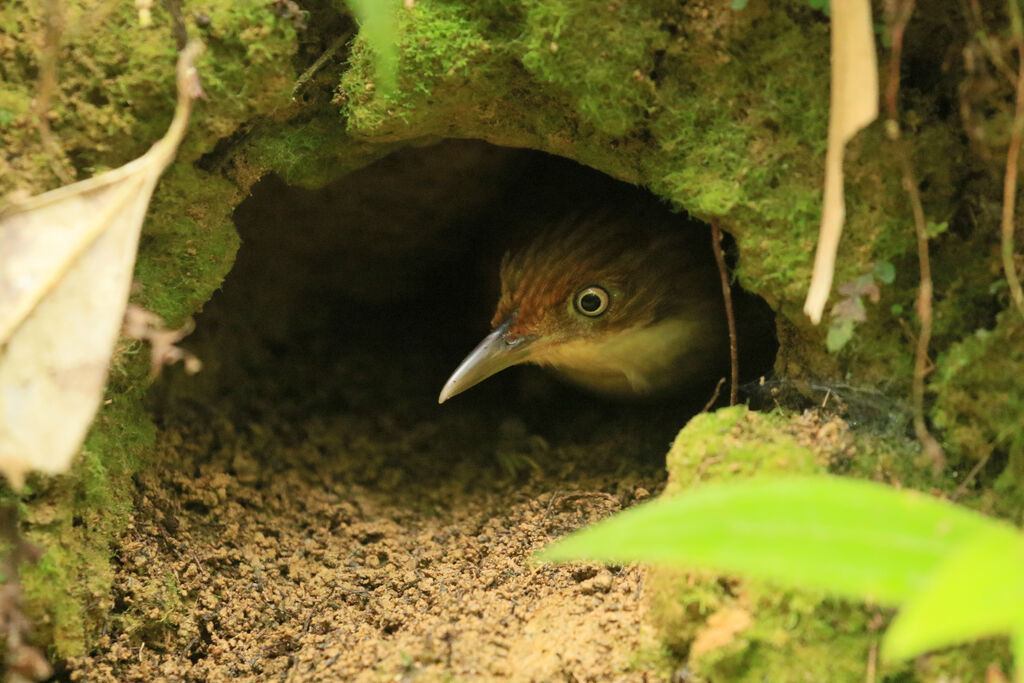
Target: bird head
[610,299]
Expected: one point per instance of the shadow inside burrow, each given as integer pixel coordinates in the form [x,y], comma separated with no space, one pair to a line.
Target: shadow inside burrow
[349,306]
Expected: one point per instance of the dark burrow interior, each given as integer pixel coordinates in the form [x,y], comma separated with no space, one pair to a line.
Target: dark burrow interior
[314,511]
[367,293]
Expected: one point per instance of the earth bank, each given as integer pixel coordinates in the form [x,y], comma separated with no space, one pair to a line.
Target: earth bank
[720,111]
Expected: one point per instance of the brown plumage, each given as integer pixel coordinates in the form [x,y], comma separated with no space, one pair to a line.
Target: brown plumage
[655,265]
[623,300]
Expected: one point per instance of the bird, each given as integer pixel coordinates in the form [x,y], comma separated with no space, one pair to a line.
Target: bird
[622,299]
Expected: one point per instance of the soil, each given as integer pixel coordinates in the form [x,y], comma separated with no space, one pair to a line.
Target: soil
[295,562]
[312,513]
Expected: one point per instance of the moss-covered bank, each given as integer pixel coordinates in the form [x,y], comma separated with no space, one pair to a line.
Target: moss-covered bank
[719,111]
[775,632]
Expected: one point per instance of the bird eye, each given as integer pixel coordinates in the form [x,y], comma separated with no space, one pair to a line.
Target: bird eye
[591,301]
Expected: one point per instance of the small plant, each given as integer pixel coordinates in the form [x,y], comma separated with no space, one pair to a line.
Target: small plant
[850,310]
[956,575]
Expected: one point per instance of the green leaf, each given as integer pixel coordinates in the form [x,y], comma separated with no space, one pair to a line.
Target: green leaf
[378,26]
[839,333]
[885,272]
[848,537]
[739,4]
[823,5]
[977,592]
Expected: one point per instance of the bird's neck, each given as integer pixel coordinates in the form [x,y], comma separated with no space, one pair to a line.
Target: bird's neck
[638,361]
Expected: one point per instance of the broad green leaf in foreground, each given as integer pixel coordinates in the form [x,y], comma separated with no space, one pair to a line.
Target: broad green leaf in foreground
[378,26]
[848,537]
[977,592]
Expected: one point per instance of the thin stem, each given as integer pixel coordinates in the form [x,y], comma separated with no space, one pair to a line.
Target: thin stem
[1012,156]
[177,23]
[329,53]
[46,85]
[962,488]
[714,396]
[723,273]
[981,35]
[869,676]
[900,15]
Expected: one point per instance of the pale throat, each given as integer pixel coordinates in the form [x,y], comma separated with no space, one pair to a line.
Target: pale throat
[634,361]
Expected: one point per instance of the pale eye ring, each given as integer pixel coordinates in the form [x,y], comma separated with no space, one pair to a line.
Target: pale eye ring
[591,301]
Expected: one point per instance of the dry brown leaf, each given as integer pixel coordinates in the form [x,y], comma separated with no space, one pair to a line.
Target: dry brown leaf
[853,106]
[66,261]
[720,629]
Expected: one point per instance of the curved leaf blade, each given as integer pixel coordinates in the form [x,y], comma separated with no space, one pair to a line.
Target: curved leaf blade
[851,538]
[977,592]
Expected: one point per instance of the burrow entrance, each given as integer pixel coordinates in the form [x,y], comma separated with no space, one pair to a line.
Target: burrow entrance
[320,514]
[396,265]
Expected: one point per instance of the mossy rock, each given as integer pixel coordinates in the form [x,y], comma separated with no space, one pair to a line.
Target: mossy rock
[980,406]
[725,628]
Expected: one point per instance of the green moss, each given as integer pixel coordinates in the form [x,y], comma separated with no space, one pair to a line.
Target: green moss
[311,155]
[980,403]
[721,112]
[735,442]
[189,243]
[600,55]
[442,47]
[114,97]
[788,635]
[115,87]
[729,443]
[743,139]
[76,519]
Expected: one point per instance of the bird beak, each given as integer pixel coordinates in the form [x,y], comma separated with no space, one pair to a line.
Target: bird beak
[491,356]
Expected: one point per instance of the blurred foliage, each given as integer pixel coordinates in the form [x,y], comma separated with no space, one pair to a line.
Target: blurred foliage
[959,574]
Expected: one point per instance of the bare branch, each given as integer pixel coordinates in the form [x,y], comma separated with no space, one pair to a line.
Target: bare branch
[1012,156]
[716,245]
[899,16]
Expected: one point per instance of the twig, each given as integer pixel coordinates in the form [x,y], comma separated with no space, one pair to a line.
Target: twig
[986,44]
[962,488]
[869,677]
[716,245]
[320,61]
[23,661]
[899,15]
[1012,155]
[714,396]
[547,510]
[178,25]
[46,84]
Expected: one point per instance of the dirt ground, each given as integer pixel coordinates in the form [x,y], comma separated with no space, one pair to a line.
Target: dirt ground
[313,514]
[386,539]
[312,568]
